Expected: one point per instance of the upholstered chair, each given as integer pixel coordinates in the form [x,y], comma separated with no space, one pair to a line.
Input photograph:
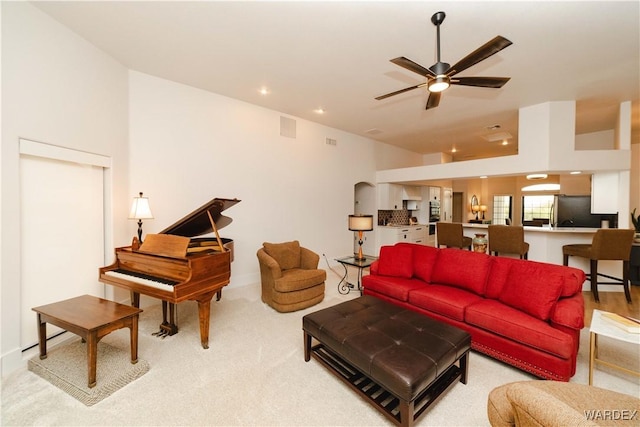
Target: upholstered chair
[555,404]
[607,244]
[508,239]
[290,276]
[450,235]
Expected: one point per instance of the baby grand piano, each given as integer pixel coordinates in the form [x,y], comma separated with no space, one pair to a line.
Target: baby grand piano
[175,266]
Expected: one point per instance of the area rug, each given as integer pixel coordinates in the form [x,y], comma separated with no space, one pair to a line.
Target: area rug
[66,368]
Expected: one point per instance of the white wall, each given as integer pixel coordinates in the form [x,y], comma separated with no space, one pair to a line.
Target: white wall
[189,146]
[58,89]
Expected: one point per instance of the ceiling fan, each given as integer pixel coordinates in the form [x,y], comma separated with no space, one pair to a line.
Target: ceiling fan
[440,75]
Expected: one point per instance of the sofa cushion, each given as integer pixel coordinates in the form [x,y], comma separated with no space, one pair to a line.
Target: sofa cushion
[287,254]
[424,258]
[498,276]
[531,289]
[393,287]
[444,300]
[296,279]
[463,269]
[512,323]
[396,261]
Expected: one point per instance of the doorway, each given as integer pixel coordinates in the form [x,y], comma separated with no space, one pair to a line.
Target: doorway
[62,230]
[456,208]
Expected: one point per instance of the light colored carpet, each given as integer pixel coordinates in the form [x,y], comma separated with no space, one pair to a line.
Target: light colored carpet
[66,368]
[254,374]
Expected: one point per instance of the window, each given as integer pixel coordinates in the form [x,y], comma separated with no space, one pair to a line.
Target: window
[501,209]
[536,208]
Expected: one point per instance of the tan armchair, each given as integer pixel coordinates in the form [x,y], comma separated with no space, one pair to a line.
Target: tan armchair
[450,234]
[290,276]
[552,403]
[508,239]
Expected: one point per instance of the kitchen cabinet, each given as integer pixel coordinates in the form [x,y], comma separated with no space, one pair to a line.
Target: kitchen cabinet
[410,233]
[419,234]
[604,194]
[389,197]
[446,205]
[434,194]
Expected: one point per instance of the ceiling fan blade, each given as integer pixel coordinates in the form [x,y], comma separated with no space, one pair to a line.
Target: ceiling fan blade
[407,89]
[483,52]
[412,66]
[494,82]
[434,100]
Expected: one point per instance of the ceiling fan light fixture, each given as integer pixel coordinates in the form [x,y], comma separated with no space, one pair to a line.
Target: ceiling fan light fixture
[440,83]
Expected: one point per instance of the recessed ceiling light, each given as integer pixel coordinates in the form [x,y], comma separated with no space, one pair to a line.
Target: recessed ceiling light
[264,91]
[505,142]
[575,172]
[483,176]
[498,136]
[453,150]
[319,110]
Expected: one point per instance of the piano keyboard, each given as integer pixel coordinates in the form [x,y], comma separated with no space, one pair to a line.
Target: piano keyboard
[143,279]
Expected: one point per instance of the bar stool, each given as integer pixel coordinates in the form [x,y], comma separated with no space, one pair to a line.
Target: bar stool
[450,234]
[607,244]
[508,239]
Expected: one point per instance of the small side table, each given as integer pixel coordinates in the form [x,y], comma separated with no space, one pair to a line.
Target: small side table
[91,318]
[602,327]
[344,287]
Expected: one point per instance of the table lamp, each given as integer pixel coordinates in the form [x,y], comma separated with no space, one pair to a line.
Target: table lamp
[475,209]
[360,223]
[483,209]
[140,210]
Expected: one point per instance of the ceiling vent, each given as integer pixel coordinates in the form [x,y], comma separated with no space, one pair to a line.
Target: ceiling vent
[374,131]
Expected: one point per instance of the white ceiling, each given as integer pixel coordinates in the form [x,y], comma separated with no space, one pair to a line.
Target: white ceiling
[335,55]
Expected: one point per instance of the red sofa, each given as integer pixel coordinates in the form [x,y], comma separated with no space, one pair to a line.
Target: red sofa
[525,313]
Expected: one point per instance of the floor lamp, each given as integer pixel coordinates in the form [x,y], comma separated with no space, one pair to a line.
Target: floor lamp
[360,223]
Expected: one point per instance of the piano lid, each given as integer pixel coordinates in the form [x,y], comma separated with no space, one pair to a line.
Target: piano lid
[197,222]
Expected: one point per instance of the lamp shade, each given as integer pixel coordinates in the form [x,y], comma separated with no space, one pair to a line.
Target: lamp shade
[140,208]
[483,208]
[360,222]
[475,208]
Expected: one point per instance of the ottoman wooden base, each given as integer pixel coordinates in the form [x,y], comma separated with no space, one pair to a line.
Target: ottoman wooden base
[397,360]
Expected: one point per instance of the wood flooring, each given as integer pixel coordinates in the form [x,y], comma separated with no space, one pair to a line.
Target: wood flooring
[614,302]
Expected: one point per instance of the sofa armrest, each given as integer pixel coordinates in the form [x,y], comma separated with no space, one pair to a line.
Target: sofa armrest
[373,269]
[268,264]
[308,259]
[569,312]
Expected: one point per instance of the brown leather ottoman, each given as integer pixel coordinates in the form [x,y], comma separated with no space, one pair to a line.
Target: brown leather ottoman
[398,360]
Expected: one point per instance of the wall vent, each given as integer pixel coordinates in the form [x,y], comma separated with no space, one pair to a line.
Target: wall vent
[330,141]
[287,127]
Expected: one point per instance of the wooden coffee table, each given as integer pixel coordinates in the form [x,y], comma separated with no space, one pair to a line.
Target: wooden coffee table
[91,318]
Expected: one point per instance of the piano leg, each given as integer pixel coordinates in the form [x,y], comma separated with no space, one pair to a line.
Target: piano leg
[135,299]
[219,295]
[204,313]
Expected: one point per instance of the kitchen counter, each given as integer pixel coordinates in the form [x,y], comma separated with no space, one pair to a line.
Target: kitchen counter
[543,229]
[402,226]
